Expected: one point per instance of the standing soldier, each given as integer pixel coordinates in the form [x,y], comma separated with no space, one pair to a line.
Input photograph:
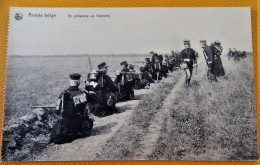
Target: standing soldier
[188,58]
[75,120]
[217,63]
[230,53]
[236,55]
[209,57]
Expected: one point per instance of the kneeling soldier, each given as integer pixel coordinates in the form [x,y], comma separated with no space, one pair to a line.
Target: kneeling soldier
[75,120]
[105,90]
[125,82]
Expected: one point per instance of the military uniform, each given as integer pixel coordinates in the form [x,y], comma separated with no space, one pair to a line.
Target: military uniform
[125,83]
[106,93]
[75,119]
[236,55]
[148,71]
[218,68]
[209,57]
[188,56]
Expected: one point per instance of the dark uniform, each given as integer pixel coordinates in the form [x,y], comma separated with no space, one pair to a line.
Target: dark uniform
[105,90]
[148,71]
[188,57]
[218,68]
[209,57]
[125,83]
[75,120]
[160,69]
[154,55]
[236,55]
[230,53]
[169,63]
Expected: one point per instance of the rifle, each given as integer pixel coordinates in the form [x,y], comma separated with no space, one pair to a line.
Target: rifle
[89,61]
[205,57]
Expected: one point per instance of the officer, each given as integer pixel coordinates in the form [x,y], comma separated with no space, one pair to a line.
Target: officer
[106,93]
[125,83]
[75,120]
[188,58]
[217,63]
[209,57]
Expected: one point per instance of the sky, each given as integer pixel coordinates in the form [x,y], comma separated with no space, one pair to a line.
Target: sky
[126,30]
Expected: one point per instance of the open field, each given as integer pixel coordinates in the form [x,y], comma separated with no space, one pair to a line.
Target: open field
[207,121]
[39,80]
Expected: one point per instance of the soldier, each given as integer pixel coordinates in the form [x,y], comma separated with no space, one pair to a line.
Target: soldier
[217,63]
[177,59]
[188,58]
[168,63]
[106,93]
[209,57]
[124,65]
[244,54]
[236,55]
[125,83]
[148,70]
[160,70]
[75,120]
[230,53]
[153,56]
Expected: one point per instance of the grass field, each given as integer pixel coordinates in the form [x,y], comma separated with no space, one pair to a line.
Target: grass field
[207,121]
[39,80]
[213,120]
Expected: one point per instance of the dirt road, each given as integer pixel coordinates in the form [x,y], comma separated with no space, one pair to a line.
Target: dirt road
[88,148]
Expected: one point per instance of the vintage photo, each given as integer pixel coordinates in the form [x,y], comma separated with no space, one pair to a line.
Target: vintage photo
[147,83]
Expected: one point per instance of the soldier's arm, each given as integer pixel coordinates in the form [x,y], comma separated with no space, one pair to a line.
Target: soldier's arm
[58,106]
[111,84]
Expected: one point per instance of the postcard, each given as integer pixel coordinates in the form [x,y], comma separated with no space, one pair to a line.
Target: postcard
[146,83]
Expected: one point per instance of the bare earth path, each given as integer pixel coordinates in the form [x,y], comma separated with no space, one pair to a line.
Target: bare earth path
[147,146]
[88,147]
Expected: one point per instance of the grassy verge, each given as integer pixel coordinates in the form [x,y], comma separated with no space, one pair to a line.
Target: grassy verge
[213,120]
[124,145]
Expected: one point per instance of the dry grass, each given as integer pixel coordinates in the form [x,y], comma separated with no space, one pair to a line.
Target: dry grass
[124,145]
[213,120]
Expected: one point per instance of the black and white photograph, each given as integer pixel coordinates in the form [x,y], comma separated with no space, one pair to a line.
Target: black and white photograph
[133,83]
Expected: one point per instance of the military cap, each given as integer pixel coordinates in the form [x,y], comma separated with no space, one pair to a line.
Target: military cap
[102,65]
[186,42]
[147,59]
[203,41]
[75,76]
[123,63]
[131,66]
[218,42]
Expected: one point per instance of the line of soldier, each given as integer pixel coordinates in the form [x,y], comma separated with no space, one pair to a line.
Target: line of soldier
[101,93]
[236,55]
